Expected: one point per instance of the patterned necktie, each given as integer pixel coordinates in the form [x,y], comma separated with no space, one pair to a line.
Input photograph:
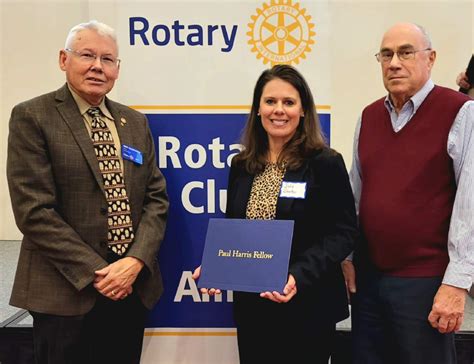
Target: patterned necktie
[120,234]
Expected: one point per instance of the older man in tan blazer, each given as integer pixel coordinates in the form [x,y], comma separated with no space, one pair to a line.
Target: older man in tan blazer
[92,206]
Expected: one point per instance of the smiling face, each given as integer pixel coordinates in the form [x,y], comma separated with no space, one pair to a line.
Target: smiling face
[403,79]
[91,81]
[280,111]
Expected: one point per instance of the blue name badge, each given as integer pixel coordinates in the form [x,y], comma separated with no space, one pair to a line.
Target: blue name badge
[132,154]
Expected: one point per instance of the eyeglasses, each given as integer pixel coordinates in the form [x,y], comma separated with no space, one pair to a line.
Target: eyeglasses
[89,58]
[403,55]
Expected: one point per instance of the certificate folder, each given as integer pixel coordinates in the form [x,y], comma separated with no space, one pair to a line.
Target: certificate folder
[246,255]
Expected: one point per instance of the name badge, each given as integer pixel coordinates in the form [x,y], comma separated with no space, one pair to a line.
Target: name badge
[293,189]
[132,154]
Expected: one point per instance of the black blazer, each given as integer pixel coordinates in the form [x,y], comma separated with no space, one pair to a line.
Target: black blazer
[325,227]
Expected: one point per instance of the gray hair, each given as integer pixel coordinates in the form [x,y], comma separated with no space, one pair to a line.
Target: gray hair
[425,35]
[100,28]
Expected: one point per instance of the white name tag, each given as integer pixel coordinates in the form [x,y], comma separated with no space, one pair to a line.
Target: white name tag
[293,189]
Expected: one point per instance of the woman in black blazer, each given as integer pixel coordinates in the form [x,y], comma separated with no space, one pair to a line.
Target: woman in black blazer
[284,143]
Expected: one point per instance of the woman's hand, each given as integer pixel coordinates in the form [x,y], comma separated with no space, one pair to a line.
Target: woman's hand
[209,291]
[288,292]
[349,277]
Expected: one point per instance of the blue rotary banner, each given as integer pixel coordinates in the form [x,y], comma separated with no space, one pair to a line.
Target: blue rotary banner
[194,153]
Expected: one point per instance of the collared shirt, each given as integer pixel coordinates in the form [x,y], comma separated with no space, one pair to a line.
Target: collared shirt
[83,106]
[460,147]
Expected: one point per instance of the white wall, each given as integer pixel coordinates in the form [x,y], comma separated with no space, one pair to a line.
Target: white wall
[358,27]
[31,34]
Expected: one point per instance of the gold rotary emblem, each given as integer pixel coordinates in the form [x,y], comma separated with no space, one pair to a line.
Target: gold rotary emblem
[281,33]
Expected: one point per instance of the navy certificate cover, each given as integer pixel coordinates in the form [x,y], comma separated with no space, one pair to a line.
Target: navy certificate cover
[246,255]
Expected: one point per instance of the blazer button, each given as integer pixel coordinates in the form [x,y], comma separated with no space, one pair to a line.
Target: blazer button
[103,210]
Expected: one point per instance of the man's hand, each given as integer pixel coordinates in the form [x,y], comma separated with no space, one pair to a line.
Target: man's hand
[462,81]
[349,276]
[115,281]
[447,312]
[288,292]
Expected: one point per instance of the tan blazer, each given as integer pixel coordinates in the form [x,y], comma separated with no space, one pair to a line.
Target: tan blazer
[59,204]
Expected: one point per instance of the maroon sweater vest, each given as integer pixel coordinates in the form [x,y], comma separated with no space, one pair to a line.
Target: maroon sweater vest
[408,186]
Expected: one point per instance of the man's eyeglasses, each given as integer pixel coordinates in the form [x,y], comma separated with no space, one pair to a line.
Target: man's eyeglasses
[89,58]
[403,55]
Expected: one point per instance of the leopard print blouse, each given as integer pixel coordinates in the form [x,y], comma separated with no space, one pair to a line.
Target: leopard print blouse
[264,194]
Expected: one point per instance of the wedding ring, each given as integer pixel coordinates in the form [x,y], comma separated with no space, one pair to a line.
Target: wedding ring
[114,293]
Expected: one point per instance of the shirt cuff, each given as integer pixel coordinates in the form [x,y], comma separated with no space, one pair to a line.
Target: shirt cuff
[456,275]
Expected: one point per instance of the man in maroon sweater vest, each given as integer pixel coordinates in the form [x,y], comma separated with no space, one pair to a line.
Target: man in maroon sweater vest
[413,182]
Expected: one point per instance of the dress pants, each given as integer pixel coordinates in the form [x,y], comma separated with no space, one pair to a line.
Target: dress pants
[390,322]
[276,344]
[112,332]
[293,332]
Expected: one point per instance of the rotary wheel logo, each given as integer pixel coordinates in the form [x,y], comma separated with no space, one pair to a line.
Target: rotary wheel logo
[281,33]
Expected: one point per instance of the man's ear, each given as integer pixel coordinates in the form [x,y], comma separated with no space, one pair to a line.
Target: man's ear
[432,58]
[62,59]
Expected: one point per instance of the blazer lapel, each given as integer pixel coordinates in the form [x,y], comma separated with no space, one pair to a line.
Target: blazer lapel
[69,111]
[284,205]
[243,194]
